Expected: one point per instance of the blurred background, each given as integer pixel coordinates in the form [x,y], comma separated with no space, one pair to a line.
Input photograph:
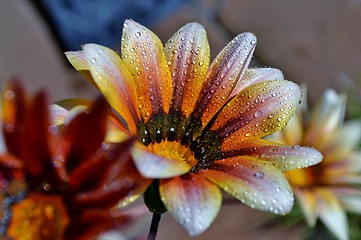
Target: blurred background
[312,42]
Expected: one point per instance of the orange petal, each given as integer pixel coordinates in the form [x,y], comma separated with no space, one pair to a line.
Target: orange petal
[281,156]
[223,75]
[254,182]
[114,81]
[188,55]
[152,165]
[192,200]
[255,75]
[258,110]
[143,55]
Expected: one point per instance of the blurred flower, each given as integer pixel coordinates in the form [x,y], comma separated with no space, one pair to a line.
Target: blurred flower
[198,126]
[59,183]
[326,190]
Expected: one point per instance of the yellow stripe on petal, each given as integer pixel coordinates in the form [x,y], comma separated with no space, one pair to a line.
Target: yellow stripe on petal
[188,56]
[223,75]
[143,55]
[252,181]
[114,81]
[152,165]
[258,110]
[192,200]
[255,75]
[281,156]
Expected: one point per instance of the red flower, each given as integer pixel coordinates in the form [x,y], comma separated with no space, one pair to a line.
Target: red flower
[60,182]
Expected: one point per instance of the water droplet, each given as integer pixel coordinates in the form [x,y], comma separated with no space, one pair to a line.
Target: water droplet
[93,60]
[151,97]
[138,34]
[9,94]
[259,175]
[258,113]
[253,42]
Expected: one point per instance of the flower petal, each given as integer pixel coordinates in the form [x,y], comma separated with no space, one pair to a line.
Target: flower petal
[192,200]
[281,156]
[223,75]
[143,55]
[332,213]
[114,81]
[258,110]
[254,182]
[307,200]
[255,75]
[80,63]
[188,55]
[152,165]
[326,117]
[342,142]
[89,125]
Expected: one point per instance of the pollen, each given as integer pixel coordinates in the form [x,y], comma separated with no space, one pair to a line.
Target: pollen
[174,150]
[38,216]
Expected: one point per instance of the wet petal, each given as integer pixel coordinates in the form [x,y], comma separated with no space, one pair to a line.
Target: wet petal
[114,81]
[192,200]
[307,201]
[80,63]
[188,55]
[258,110]
[223,75]
[143,55]
[254,182]
[281,156]
[255,75]
[332,213]
[152,165]
[326,117]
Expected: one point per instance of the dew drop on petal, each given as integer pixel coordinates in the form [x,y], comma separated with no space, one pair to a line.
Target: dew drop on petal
[258,113]
[259,175]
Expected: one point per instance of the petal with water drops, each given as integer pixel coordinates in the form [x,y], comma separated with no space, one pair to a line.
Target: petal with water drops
[192,200]
[188,56]
[152,165]
[252,181]
[223,75]
[114,81]
[281,156]
[143,54]
[254,75]
[258,110]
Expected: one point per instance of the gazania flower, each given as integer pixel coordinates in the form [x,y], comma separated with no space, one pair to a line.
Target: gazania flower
[59,183]
[326,191]
[199,126]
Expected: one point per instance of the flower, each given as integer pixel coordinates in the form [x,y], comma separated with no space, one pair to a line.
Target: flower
[59,183]
[199,126]
[326,190]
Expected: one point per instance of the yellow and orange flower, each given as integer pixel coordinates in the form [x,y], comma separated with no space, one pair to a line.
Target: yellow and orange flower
[199,125]
[327,190]
[60,183]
